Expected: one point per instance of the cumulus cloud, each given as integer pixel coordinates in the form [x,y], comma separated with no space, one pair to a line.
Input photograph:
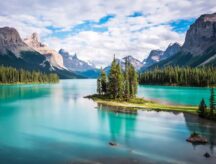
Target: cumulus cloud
[135,28]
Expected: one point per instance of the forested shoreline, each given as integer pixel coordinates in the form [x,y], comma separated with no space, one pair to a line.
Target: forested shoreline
[187,76]
[10,75]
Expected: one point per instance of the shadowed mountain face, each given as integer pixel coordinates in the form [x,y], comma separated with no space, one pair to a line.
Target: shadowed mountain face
[16,53]
[171,50]
[199,48]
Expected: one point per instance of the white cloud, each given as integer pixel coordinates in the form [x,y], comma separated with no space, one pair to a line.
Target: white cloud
[125,36]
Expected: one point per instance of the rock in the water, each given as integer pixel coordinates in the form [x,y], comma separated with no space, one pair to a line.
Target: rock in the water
[111,143]
[197,139]
[207,155]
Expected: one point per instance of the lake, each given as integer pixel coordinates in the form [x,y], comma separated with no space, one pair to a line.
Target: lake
[53,123]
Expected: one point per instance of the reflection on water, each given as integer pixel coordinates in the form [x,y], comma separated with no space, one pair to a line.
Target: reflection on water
[12,93]
[204,127]
[55,124]
[120,124]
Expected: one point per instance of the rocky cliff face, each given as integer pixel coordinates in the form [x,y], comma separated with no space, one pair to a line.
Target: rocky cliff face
[10,40]
[9,36]
[201,35]
[52,56]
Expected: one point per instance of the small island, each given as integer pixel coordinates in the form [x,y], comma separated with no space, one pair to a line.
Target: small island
[119,89]
[10,75]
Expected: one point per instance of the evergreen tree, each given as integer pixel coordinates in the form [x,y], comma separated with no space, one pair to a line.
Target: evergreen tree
[120,80]
[13,75]
[103,82]
[126,81]
[113,84]
[212,102]
[186,76]
[119,84]
[202,108]
[132,81]
[99,89]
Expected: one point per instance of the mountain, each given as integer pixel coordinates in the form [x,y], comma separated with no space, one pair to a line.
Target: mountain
[157,56]
[52,56]
[16,53]
[199,48]
[154,57]
[171,50]
[135,62]
[73,63]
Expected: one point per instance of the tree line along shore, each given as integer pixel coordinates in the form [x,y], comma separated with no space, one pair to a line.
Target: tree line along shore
[180,76]
[10,75]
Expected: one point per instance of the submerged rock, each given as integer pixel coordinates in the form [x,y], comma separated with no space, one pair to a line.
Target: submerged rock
[207,155]
[111,143]
[197,139]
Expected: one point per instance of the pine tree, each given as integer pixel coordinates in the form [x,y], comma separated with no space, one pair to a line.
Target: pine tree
[13,75]
[99,90]
[212,102]
[112,85]
[120,81]
[132,81]
[200,76]
[103,82]
[126,81]
[202,108]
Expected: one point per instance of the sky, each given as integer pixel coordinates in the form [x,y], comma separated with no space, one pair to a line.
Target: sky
[98,29]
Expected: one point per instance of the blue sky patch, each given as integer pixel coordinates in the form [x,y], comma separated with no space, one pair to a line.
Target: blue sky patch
[136,14]
[105,19]
[181,25]
[87,25]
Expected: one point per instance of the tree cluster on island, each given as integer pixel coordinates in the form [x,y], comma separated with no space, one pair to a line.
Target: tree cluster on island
[204,111]
[10,75]
[180,76]
[119,84]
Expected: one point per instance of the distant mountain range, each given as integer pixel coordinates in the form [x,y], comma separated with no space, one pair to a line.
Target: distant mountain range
[80,67]
[135,62]
[157,56]
[199,49]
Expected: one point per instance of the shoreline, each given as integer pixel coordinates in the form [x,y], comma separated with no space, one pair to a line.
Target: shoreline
[34,83]
[176,85]
[142,104]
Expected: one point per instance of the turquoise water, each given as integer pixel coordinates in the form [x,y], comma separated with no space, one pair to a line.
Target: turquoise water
[175,94]
[55,124]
